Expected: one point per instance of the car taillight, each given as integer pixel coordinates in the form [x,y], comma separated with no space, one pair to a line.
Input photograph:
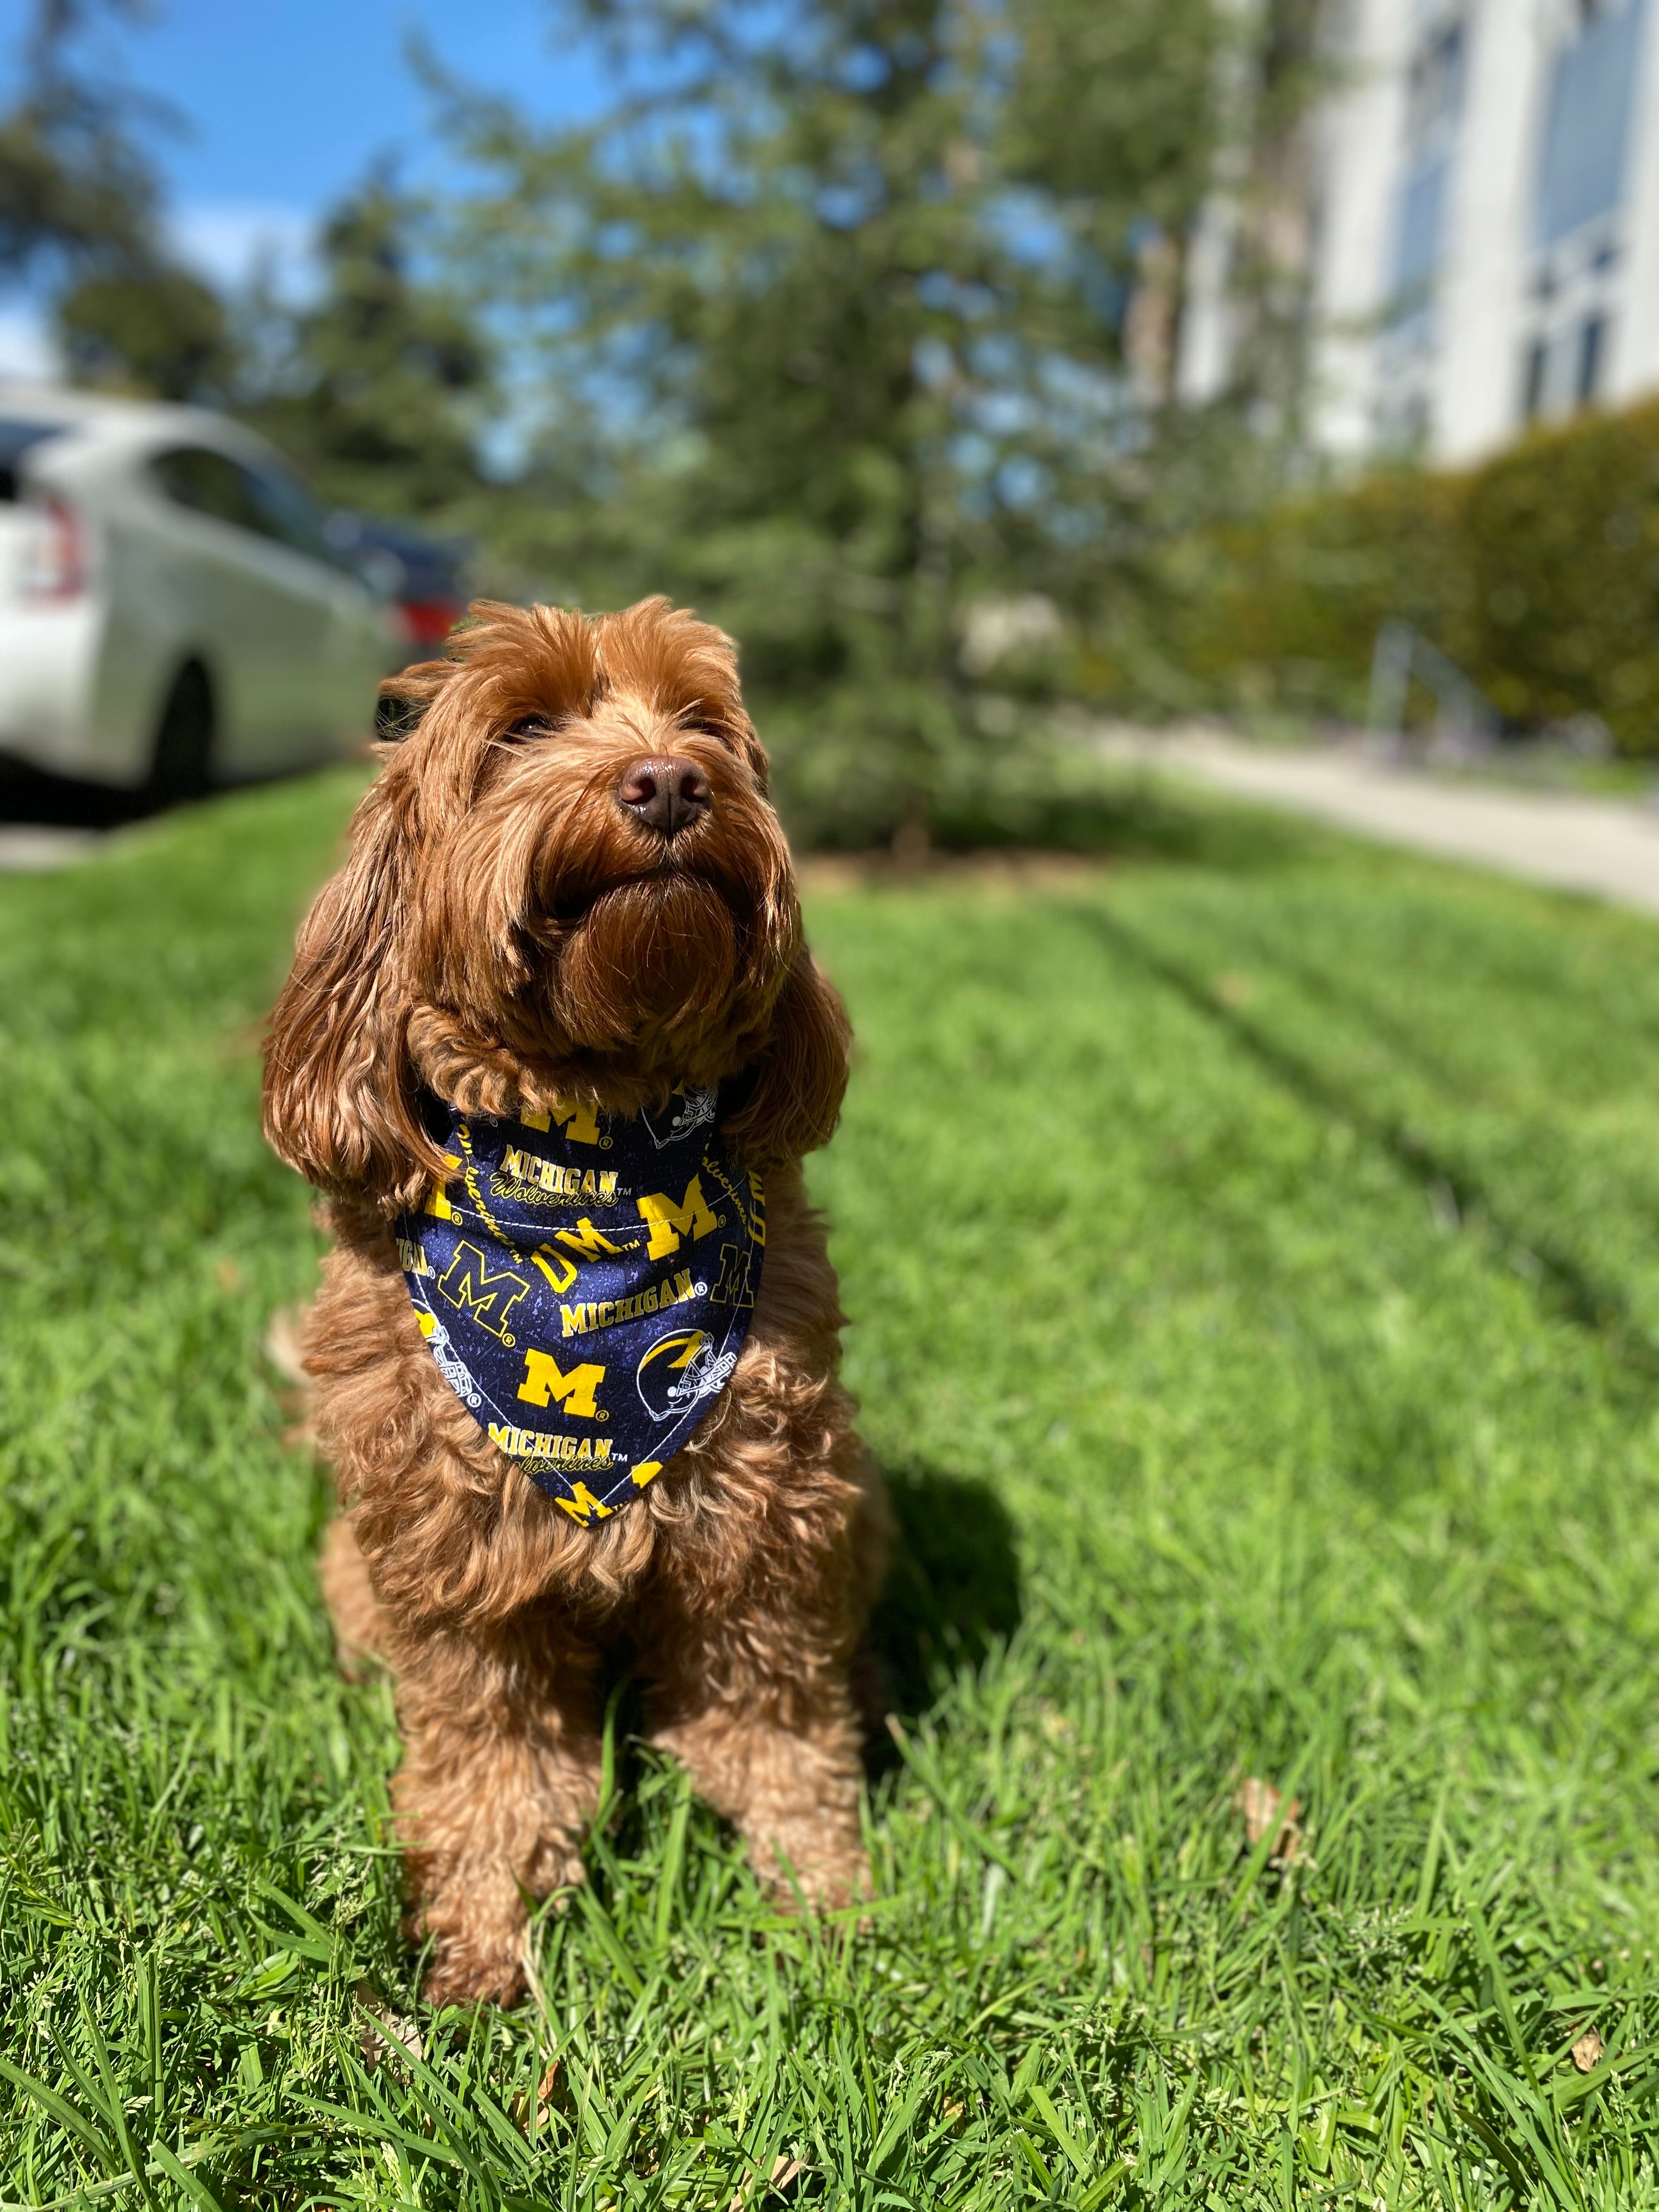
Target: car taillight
[54,565]
[429,621]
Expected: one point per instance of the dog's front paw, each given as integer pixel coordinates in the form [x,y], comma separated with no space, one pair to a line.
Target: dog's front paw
[802,1865]
[463,1973]
[476,1922]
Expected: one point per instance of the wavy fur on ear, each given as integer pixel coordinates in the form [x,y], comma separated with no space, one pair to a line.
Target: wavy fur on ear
[792,1096]
[340,1096]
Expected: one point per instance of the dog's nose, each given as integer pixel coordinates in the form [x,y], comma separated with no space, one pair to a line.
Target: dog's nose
[665,793]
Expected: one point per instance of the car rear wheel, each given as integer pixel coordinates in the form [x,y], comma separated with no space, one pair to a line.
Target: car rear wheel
[181,766]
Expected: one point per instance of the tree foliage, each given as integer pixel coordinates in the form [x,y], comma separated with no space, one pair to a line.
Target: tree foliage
[81,206]
[1111,111]
[381,384]
[833,306]
[1536,573]
[150,327]
[74,182]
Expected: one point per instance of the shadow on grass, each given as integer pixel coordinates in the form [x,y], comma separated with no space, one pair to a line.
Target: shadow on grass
[952,1592]
[33,796]
[1131,818]
[1128,818]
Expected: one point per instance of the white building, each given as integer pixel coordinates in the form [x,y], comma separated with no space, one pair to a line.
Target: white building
[1483,226]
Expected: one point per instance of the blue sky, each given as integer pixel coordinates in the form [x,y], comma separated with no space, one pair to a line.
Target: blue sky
[285,103]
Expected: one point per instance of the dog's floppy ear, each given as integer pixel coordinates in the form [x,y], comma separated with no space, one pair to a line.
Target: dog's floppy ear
[403,698]
[340,1091]
[791,1096]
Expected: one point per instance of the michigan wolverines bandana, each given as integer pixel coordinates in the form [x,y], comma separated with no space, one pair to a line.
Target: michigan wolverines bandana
[586,1284]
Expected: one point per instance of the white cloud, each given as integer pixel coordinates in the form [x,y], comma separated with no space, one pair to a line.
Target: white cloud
[26,346]
[228,240]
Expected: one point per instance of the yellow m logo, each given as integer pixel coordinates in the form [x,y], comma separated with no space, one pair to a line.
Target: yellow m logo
[468,1285]
[690,1218]
[579,1123]
[736,1285]
[544,1379]
[587,1242]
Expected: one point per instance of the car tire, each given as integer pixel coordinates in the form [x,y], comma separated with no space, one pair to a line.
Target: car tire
[181,765]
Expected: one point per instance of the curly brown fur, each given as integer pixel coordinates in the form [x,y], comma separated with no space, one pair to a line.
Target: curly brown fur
[505,935]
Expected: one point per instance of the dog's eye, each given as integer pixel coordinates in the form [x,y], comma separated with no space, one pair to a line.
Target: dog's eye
[530,726]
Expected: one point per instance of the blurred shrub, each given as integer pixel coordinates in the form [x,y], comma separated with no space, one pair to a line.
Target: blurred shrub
[1538,573]
[1562,549]
[1282,610]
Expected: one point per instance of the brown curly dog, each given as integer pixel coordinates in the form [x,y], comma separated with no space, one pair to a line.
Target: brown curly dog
[568,884]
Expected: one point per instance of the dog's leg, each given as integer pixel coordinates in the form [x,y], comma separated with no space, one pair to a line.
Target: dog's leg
[769,1734]
[501,1775]
[751,1683]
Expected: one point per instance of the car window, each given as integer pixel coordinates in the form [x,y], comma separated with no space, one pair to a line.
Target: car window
[288,511]
[265,500]
[16,438]
[208,482]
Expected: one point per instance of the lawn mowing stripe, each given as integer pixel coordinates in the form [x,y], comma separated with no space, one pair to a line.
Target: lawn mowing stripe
[1597,1306]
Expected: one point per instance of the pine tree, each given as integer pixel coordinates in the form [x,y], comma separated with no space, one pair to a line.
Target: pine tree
[380,388]
[80,205]
[147,327]
[75,183]
[833,307]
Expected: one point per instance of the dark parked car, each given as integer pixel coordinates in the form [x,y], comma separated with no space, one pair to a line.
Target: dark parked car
[424,578]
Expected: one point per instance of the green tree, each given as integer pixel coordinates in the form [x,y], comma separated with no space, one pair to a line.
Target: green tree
[148,326]
[382,387]
[79,206]
[74,182]
[833,305]
[1113,115]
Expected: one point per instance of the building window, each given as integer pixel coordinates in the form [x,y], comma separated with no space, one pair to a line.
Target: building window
[1535,380]
[1592,345]
[1434,100]
[1587,122]
[1417,240]
[1434,87]
[1565,370]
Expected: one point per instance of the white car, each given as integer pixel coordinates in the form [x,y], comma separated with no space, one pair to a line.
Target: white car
[172,614]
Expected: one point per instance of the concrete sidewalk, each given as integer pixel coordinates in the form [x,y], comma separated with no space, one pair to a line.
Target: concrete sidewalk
[28,851]
[1605,848]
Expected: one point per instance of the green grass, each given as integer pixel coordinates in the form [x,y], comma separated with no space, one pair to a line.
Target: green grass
[1253,1256]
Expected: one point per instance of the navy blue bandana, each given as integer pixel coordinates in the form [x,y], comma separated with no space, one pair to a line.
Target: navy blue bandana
[586,1284]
